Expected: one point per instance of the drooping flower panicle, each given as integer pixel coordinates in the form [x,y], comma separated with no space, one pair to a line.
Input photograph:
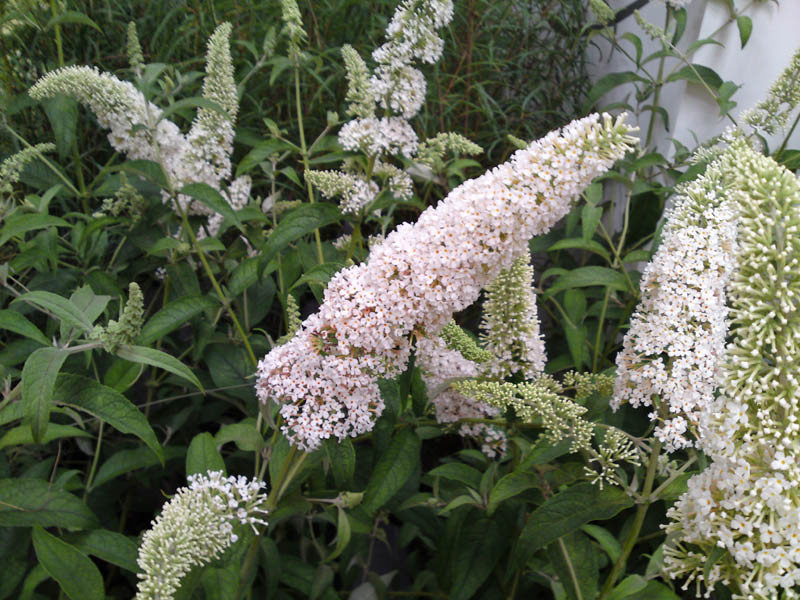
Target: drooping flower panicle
[672,351]
[326,377]
[138,130]
[741,399]
[194,528]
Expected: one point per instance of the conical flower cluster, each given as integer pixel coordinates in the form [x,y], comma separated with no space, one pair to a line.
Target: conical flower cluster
[672,352]
[138,131]
[741,400]
[326,376]
[396,87]
[194,528]
[511,322]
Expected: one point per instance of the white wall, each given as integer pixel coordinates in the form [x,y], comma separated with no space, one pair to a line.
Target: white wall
[775,37]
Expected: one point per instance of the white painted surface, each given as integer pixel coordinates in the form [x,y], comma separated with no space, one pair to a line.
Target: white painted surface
[694,115]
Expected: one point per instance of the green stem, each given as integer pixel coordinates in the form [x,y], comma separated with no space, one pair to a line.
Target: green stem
[638,521]
[190,232]
[786,139]
[573,577]
[95,460]
[304,152]
[59,46]
[657,94]
[600,330]
[289,469]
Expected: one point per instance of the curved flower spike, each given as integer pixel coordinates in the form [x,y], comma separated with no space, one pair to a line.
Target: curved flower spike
[326,377]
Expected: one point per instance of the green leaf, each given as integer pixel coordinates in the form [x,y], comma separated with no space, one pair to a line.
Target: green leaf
[203,455]
[109,546]
[75,572]
[146,169]
[457,502]
[590,219]
[680,24]
[195,101]
[607,541]
[62,308]
[271,564]
[588,276]
[655,566]
[173,316]
[26,502]
[210,244]
[62,112]
[393,469]
[655,590]
[259,154]
[11,412]
[122,374]
[231,368]
[220,583]
[107,405]
[320,275]
[32,581]
[459,472]
[342,534]
[712,559]
[576,340]
[630,587]
[300,221]
[543,453]
[161,360]
[20,223]
[508,486]
[13,572]
[207,195]
[575,305]
[574,560]
[243,276]
[244,434]
[38,380]
[11,320]
[72,16]
[581,244]
[607,83]
[477,549]
[125,461]
[745,25]
[22,435]
[697,74]
[90,304]
[565,512]
[637,43]
[342,456]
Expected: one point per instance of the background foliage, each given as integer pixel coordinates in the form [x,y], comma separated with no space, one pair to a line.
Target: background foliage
[437,518]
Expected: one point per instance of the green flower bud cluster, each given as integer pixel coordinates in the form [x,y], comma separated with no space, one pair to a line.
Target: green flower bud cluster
[127,329]
[359,95]
[126,200]
[293,319]
[194,528]
[134,48]
[459,340]
[11,168]
[540,401]
[772,113]
[614,448]
[293,28]
[432,151]
[602,11]
[586,384]
[511,322]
